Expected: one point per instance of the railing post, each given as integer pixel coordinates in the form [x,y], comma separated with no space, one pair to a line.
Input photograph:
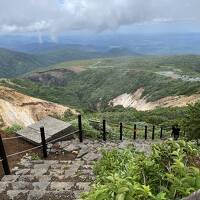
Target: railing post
[4,158]
[80,128]
[134,136]
[153,133]
[104,130]
[43,139]
[121,131]
[145,135]
[161,132]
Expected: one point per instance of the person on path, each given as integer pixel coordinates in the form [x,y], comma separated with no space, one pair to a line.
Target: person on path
[175,132]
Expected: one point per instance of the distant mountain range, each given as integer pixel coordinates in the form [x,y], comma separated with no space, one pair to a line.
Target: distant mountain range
[140,44]
[13,63]
[20,54]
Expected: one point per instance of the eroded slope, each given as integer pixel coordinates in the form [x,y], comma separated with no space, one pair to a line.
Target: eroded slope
[25,110]
[139,102]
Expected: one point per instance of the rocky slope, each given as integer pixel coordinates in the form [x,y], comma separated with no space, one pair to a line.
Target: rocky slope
[139,102]
[25,110]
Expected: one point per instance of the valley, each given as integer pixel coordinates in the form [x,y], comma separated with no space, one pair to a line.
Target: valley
[138,91]
[95,84]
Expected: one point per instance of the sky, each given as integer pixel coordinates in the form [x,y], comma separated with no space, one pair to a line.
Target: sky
[56,17]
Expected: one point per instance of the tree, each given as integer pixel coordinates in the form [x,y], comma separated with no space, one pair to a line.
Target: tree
[191,121]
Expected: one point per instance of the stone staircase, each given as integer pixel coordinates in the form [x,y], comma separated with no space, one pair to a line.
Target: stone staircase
[60,180]
[47,179]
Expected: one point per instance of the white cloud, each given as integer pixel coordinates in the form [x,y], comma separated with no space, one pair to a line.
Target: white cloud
[55,16]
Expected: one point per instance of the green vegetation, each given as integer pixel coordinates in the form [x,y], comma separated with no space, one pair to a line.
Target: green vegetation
[105,79]
[159,116]
[91,90]
[13,129]
[164,117]
[191,121]
[68,54]
[35,156]
[14,63]
[170,172]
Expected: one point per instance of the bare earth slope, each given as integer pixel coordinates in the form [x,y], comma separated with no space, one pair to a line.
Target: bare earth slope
[25,110]
[137,101]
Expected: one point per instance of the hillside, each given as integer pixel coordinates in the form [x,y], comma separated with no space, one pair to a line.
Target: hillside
[94,84]
[135,100]
[67,54]
[16,108]
[78,52]
[13,63]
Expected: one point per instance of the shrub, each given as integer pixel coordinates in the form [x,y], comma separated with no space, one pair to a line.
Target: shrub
[168,173]
[13,129]
[191,121]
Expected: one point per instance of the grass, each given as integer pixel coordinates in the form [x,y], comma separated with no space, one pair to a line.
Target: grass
[13,129]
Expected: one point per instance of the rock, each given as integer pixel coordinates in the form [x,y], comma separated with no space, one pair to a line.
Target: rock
[3,186]
[17,194]
[71,147]
[38,172]
[42,166]
[40,185]
[83,152]
[36,194]
[44,178]
[61,186]
[20,185]
[125,144]
[10,178]
[56,172]
[15,169]
[91,156]
[22,172]
[83,186]
[49,146]
[75,152]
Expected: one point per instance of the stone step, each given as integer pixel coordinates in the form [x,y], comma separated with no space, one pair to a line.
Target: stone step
[22,189]
[43,185]
[39,195]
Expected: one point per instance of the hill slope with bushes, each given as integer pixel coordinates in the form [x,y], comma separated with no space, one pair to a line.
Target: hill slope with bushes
[94,84]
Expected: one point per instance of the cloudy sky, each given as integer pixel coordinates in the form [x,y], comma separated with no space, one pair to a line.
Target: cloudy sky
[59,16]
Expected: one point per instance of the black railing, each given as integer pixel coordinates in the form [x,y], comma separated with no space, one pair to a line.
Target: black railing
[149,131]
[80,131]
[4,157]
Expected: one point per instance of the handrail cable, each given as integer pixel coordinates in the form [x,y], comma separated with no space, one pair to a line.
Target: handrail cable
[14,154]
[12,138]
[62,137]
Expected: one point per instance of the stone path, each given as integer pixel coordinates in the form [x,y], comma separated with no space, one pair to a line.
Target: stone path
[59,180]
[47,179]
